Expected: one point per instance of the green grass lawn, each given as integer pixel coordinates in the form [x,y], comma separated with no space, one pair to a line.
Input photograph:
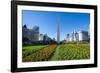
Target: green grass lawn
[71,52]
[28,50]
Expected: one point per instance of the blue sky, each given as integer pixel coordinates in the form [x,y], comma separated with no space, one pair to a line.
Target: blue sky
[47,22]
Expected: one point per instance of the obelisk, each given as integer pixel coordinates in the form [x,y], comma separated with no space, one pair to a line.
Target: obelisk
[58,33]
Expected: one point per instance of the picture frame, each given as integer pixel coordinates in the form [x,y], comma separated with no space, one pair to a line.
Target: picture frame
[17,21]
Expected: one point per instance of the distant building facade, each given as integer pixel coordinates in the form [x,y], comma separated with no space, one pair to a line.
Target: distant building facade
[78,36]
[41,37]
[83,35]
[34,32]
[31,34]
[47,38]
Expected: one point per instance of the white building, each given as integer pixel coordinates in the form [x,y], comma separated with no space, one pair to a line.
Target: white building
[80,36]
[83,36]
[41,37]
[73,36]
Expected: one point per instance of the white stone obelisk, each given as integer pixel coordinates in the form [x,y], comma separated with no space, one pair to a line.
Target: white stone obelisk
[58,33]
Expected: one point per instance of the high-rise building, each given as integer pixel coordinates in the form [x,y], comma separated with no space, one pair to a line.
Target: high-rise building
[41,37]
[80,36]
[83,35]
[31,34]
[68,38]
[35,33]
[25,31]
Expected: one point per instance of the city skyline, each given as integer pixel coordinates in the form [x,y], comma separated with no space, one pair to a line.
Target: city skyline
[48,21]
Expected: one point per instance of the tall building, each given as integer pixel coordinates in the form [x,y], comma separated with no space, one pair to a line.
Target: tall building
[31,34]
[76,36]
[68,38]
[35,33]
[83,35]
[73,36]
[80,36]
[41,37]
[25,31]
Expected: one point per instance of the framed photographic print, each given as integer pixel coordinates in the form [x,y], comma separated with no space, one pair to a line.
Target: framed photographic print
[51,36]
